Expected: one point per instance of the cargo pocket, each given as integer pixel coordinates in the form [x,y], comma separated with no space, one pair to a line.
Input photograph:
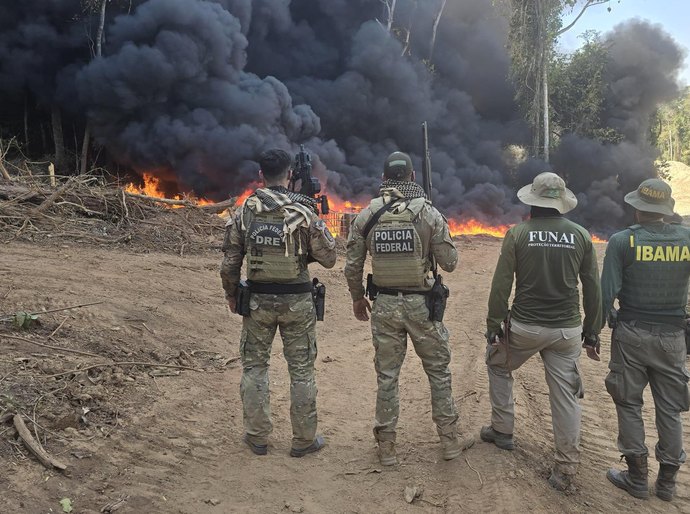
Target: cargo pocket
[313,350]
[615,381]
[579,385]
[496,355]
[243,343]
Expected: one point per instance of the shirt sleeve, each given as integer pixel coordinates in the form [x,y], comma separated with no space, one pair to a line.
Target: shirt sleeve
[233,249]
[442,247]
[591,291]
[502,284]
[322,244]
[356,255]
[611,276]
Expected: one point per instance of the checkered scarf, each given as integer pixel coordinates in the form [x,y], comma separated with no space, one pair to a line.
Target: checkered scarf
[298,211]
[395,190]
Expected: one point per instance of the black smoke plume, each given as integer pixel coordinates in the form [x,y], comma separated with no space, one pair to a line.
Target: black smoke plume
[193,90]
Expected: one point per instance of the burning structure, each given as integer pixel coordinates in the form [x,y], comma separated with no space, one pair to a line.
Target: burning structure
[194,90]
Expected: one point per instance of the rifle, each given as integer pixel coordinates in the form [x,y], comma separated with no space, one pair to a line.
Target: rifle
[309,186]
[438,297]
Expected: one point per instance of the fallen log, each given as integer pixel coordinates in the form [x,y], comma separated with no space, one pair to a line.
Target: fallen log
[31,445]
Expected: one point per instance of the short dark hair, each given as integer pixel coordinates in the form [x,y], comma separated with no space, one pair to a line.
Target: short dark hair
[274,163]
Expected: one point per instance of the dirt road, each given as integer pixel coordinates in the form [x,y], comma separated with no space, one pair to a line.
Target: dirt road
[171,444]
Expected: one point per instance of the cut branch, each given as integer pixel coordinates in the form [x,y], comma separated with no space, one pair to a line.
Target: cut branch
[33,446]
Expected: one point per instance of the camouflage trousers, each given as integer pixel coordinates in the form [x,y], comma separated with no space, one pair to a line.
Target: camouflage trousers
[654,355]
[294,315]
[393,318]
[559,349]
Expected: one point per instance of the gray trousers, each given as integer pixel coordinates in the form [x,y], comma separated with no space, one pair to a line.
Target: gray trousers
[644,354]
[559,349]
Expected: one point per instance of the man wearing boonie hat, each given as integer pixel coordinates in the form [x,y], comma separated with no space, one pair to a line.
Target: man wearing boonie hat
[545,255]
[647,267]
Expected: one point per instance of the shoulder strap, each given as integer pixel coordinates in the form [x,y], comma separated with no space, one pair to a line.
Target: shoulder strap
[375,218]
[634,227]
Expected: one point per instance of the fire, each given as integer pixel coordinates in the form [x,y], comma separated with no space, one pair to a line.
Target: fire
[597,239]
[242,197]
[152,187]
[475,227]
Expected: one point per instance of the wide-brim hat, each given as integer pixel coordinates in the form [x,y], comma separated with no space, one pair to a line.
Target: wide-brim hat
[652,195]
[548,190]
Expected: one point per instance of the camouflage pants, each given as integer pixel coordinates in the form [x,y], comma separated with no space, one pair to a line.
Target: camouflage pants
[653,355]
[393,318]
[559,349]
[295,317]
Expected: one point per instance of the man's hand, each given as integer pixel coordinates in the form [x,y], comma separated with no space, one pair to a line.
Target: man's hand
[592,345]
[494,338]
[232,303]
[361,308]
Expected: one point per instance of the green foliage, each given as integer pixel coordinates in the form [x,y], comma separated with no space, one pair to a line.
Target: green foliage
[577,91]
[670,130]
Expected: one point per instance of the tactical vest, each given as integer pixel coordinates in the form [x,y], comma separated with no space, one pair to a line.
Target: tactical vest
[270,258]
[398,256]
[655,275]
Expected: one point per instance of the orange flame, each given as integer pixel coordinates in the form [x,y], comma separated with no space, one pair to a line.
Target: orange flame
[152,187]
[597,239]
[475,227]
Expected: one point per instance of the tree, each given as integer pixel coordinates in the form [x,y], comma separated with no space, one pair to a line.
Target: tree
[670,131]
[434,29]
[535,25]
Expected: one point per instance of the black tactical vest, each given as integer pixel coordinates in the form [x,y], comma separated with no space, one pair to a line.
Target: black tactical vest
[655,274]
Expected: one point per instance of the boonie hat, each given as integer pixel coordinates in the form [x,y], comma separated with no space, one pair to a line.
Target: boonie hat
[652,195]
[397,164]
[548,190]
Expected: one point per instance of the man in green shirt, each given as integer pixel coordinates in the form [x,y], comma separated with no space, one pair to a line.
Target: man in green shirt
[545,255]
[647,267]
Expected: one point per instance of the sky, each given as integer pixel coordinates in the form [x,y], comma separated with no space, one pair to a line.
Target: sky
[672,15]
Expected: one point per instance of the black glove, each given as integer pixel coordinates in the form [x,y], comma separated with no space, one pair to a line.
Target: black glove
[491,336]
[591,341]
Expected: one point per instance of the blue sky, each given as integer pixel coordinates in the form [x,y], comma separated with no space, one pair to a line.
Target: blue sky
[672,15]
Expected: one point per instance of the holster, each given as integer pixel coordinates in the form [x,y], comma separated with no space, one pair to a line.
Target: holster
[371,291]
[242,297]
[687,334]
[506,337]
[612,320]
[437,299]
[318,294]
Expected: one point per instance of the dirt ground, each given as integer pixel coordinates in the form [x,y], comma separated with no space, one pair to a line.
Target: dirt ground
[170,441]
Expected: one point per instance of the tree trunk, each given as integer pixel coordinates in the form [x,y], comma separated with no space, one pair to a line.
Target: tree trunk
[58,138]
[435,28]
[86,144]
[546,122]
[26,120]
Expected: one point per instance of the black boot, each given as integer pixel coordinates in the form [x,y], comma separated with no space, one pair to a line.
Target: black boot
[634,480]
[666,482]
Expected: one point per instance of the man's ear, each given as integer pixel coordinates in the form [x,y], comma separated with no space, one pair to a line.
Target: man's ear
[413,176]
[383,177]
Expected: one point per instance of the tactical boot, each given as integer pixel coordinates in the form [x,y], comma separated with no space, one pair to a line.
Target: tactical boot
[503,441]
[560,481]
[666,482]
[257,449]
[634,480]
[453,445]
[386,444]
[314,447]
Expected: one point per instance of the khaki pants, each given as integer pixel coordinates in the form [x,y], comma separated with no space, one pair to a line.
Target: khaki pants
[559,349]
[644,354]
[295,316]
[393,318]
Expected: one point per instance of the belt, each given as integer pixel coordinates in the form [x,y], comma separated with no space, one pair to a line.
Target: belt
[396,292]
[270,288]
[653,327]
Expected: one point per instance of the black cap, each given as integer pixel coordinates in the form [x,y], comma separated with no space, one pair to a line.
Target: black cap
[398,165]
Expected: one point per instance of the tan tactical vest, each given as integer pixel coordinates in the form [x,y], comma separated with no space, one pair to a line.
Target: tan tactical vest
[270,258]
[399,257]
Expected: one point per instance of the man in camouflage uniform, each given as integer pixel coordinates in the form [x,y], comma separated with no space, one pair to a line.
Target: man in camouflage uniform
[647,267]
[545,256]
[409,232]
[279,232]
